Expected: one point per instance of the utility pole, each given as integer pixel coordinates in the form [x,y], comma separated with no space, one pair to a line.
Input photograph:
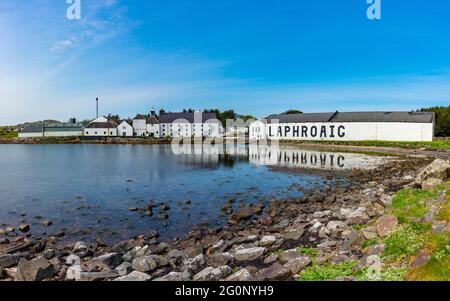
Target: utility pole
[97,106]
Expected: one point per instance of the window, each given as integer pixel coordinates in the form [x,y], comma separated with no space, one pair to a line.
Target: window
[104,133]
[87,133]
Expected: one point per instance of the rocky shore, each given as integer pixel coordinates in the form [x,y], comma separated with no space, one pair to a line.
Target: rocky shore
[272,243]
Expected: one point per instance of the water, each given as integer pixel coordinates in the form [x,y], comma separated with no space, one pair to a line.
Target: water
[88,189]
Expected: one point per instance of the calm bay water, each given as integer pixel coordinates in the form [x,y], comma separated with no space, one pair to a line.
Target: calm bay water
[88,189]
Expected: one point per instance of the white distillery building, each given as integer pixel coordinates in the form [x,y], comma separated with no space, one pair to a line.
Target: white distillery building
[190,125]
[43,129]
[146,125]
[101,127]
[356,126]
[124,129]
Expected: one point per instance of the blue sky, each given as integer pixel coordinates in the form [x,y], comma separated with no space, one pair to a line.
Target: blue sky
[256,56]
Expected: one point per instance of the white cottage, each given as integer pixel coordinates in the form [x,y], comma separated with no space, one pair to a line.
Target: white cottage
[354,126]
[153,126]
[125,129]
[140,125]
[101,127]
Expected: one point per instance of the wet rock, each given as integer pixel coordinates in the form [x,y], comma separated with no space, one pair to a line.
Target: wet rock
[4,241]
[24,228]
[220,259]
[111,260]
[439,169]
[298,264]
[243,214]
[80,246]
[275,272]
[133,209]
[47,223]
[241,275]
[149,263]
[48,254]
[221,246]
[431,184]
[227,209]
[176,257]
[194,265]
[267,241]
[134,277]
[213,274]
[250,254]
[175,276]
[34,270]
[163,216]
[386,225]
[162,248]
[8,260]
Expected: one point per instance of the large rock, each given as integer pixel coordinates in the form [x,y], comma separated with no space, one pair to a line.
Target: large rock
[8,260]
[241,275]
[439,169]
[220,259]
[149,263]
[250,254]
[267,241]
[431,184]
[34,270]
[386,225]
[243,214]
[111,260]
[275,272]
[297,265]
[213,274]
[175,276]
[288,255]
[134,277]
[294,235]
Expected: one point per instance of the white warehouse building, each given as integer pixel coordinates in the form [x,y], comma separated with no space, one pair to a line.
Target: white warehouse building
[352,126]
[189,125]
[101,127]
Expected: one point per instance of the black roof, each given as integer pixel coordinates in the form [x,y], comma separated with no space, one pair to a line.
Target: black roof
[412,117]
[190,117]
[101,125]
[33,128]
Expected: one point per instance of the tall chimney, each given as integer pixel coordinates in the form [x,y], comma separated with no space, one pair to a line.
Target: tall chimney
[97,106]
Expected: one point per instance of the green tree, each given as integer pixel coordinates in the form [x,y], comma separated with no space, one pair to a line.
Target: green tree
[442,120]
[293,112]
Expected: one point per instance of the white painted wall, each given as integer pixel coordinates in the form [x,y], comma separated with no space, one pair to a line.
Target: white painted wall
[346,131]
[100,132]
[153,130]
[63,134]
[140,127]
[30,135]
[125,130]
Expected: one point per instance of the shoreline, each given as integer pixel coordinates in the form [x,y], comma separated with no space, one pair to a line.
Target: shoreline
[276,242]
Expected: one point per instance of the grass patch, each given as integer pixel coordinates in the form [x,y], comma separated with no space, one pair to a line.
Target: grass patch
[444,212]
[308,251]
[368,243]
[7,133]
[431,271]
[389,274]
[405,241]
[409,205]
[328,272]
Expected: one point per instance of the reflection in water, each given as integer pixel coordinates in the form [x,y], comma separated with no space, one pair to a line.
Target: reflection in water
[89,188]
[280,156]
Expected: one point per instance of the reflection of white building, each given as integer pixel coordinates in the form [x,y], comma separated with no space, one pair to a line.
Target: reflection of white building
[189,125]
[388,126]
[300,158]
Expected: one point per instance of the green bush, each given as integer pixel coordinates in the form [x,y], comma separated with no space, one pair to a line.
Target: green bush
[405,241]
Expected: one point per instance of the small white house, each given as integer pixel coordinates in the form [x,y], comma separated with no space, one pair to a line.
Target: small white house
[101,127]
[125,129]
